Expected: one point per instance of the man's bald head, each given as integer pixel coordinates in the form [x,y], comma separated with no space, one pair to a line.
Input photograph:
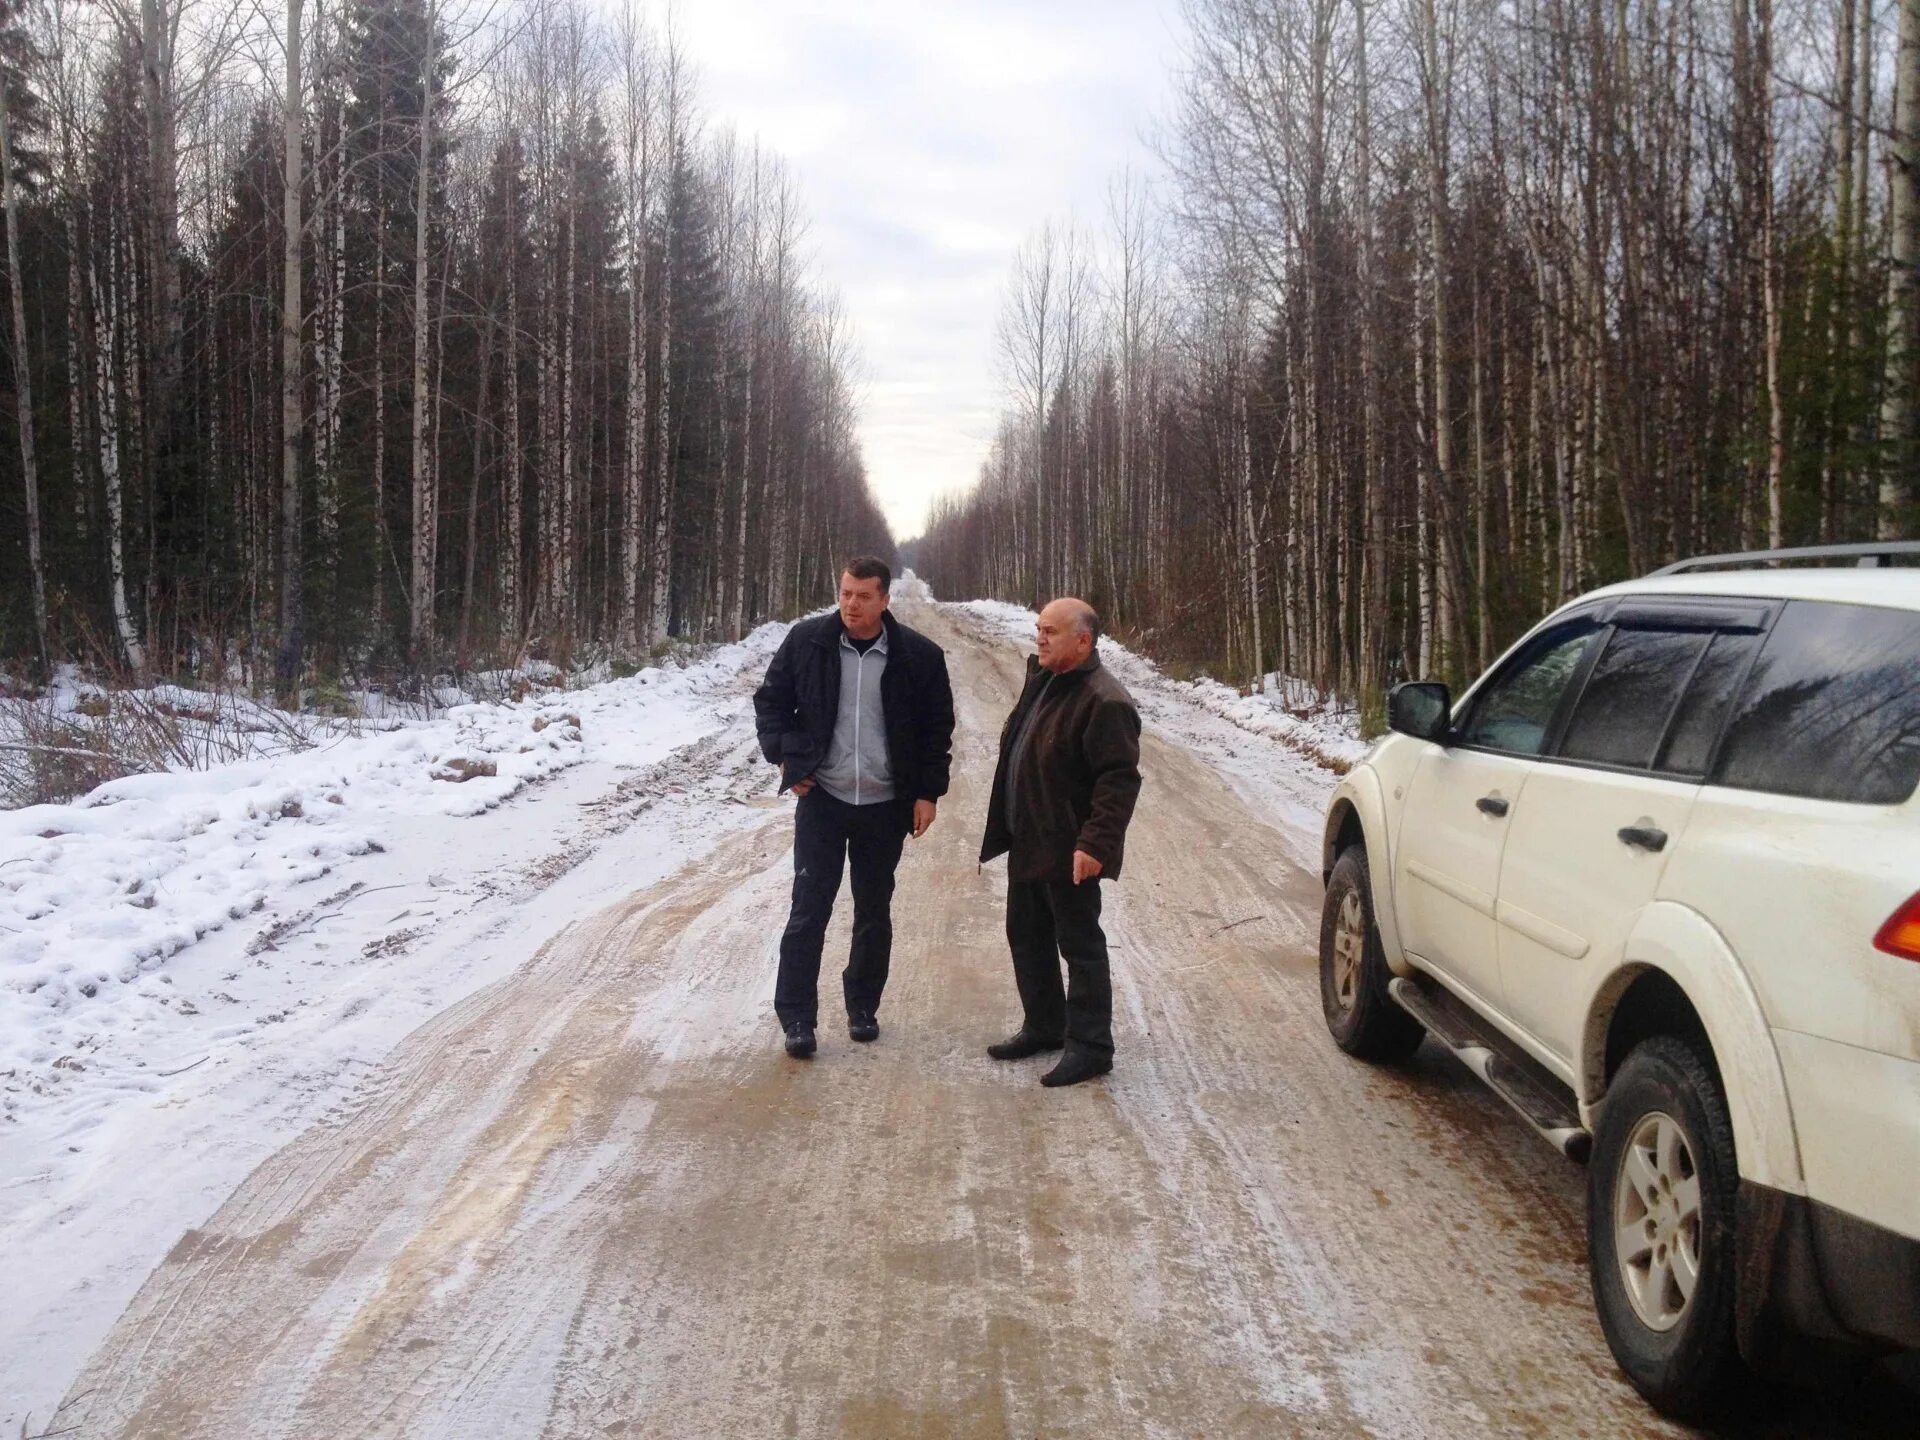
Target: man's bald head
[1066,632]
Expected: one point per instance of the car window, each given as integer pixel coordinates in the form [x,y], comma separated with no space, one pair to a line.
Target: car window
[1623,710]
[1703,709]
[1514,710]
[1832,709]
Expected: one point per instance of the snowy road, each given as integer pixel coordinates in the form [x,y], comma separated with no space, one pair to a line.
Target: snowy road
[594,1198]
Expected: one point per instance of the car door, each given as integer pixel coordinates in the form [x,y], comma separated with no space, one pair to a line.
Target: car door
[1606,806]
[1460,803]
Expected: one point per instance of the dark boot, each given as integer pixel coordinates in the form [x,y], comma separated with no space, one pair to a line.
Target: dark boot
[800,1040]
[1020,1045]
[1075,1066]
[862,1026]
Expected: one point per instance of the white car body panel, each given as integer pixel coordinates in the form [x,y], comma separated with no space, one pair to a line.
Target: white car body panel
[1571,892]
[1761,907]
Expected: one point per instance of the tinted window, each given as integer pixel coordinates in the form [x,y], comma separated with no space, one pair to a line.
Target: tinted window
[1704,710]
[1624,708]
[1514,710]
[1833,708]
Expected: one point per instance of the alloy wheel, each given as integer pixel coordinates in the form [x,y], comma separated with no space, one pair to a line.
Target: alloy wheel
[1656,1221]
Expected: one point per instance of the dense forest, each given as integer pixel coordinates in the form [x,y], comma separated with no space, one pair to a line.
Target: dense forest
[1445,310]
[377,338]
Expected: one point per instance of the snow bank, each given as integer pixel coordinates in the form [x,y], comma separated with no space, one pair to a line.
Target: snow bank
[1289,710]
[1281,751]
[97,894]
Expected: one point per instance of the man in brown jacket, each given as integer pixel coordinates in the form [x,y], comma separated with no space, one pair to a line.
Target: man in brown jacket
[1063,793]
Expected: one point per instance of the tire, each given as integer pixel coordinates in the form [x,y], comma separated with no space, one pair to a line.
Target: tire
[1664,1133]
[1361,1016]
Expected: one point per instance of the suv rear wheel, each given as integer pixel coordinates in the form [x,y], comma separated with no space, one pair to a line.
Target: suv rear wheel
[1360,1014]
[1660,1228]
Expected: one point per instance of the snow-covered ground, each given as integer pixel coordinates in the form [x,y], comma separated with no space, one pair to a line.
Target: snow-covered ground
[195,965]
[1280,749]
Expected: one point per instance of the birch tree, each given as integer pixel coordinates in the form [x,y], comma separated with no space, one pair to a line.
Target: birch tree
[12,96]
[292,361]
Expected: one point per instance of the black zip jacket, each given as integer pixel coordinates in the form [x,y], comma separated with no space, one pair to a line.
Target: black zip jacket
[796,705]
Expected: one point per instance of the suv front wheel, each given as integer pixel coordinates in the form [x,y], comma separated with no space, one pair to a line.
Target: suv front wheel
[1660,1228]
[1361,1016]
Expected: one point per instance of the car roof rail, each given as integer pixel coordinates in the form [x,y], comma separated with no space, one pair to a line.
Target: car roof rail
[1872,554]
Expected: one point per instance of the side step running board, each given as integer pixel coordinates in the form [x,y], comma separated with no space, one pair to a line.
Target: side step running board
[1493,1058]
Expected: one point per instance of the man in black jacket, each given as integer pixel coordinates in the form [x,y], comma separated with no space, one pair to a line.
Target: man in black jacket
[857,713]
[1062,797]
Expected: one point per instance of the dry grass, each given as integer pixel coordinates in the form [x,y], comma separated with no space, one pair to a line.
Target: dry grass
[50,754]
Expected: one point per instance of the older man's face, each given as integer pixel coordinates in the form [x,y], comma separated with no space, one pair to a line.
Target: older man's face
[1062,637]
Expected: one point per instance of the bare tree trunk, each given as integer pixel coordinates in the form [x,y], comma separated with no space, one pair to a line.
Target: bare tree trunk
[719,567]
[1841,308]
[156,61]
[1438,99]
[292,375]
[1863,131]
[632,515]
[70,211]
[425,508]
[1762,101]
[476,487]
[333,271]
[1425,651]
[546,483]
[660,606]
[23,380]
[510,481]
[106,317]
[1484,635]
[1900,456]
[564,587]
[1245,445]
[438,390]
[380,541]
[1373,614]
[735,622]
[639,132]
[1028,340]
[659,610]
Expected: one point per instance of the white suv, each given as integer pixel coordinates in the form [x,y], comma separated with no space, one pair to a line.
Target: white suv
[1654,880]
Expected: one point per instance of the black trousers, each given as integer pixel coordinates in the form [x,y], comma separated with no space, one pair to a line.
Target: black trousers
[1053,920]
[827,833]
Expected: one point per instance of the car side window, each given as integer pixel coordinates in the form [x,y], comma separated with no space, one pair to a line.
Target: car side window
[1514,710]
[1626,703]
[1832,708]
[1703,709]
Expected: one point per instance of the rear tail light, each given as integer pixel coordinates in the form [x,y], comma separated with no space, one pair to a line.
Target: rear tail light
[1901,934]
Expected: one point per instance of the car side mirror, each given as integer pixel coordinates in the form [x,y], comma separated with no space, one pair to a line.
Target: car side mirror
[1422,709]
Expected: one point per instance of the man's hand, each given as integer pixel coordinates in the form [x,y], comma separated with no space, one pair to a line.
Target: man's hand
[923,811]
[801,787]
[1085,867]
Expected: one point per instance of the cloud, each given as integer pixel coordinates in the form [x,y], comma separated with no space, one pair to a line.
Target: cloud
[928,140]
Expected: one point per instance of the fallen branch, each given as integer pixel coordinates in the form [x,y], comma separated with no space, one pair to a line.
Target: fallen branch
[169,1074]
[1236,925]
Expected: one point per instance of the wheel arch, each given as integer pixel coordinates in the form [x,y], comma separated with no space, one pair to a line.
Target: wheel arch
[1344,829]
[1357,813]
[1678,977]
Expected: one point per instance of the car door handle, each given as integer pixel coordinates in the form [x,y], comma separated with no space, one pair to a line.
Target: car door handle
[1491,805]
[1644,837]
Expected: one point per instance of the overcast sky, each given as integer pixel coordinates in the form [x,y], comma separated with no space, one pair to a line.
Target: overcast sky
[928,137]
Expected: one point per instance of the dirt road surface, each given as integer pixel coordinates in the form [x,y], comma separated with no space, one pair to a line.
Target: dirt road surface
[597,1199]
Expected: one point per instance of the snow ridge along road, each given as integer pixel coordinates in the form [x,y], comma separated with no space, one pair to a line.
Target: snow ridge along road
[594,1198]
